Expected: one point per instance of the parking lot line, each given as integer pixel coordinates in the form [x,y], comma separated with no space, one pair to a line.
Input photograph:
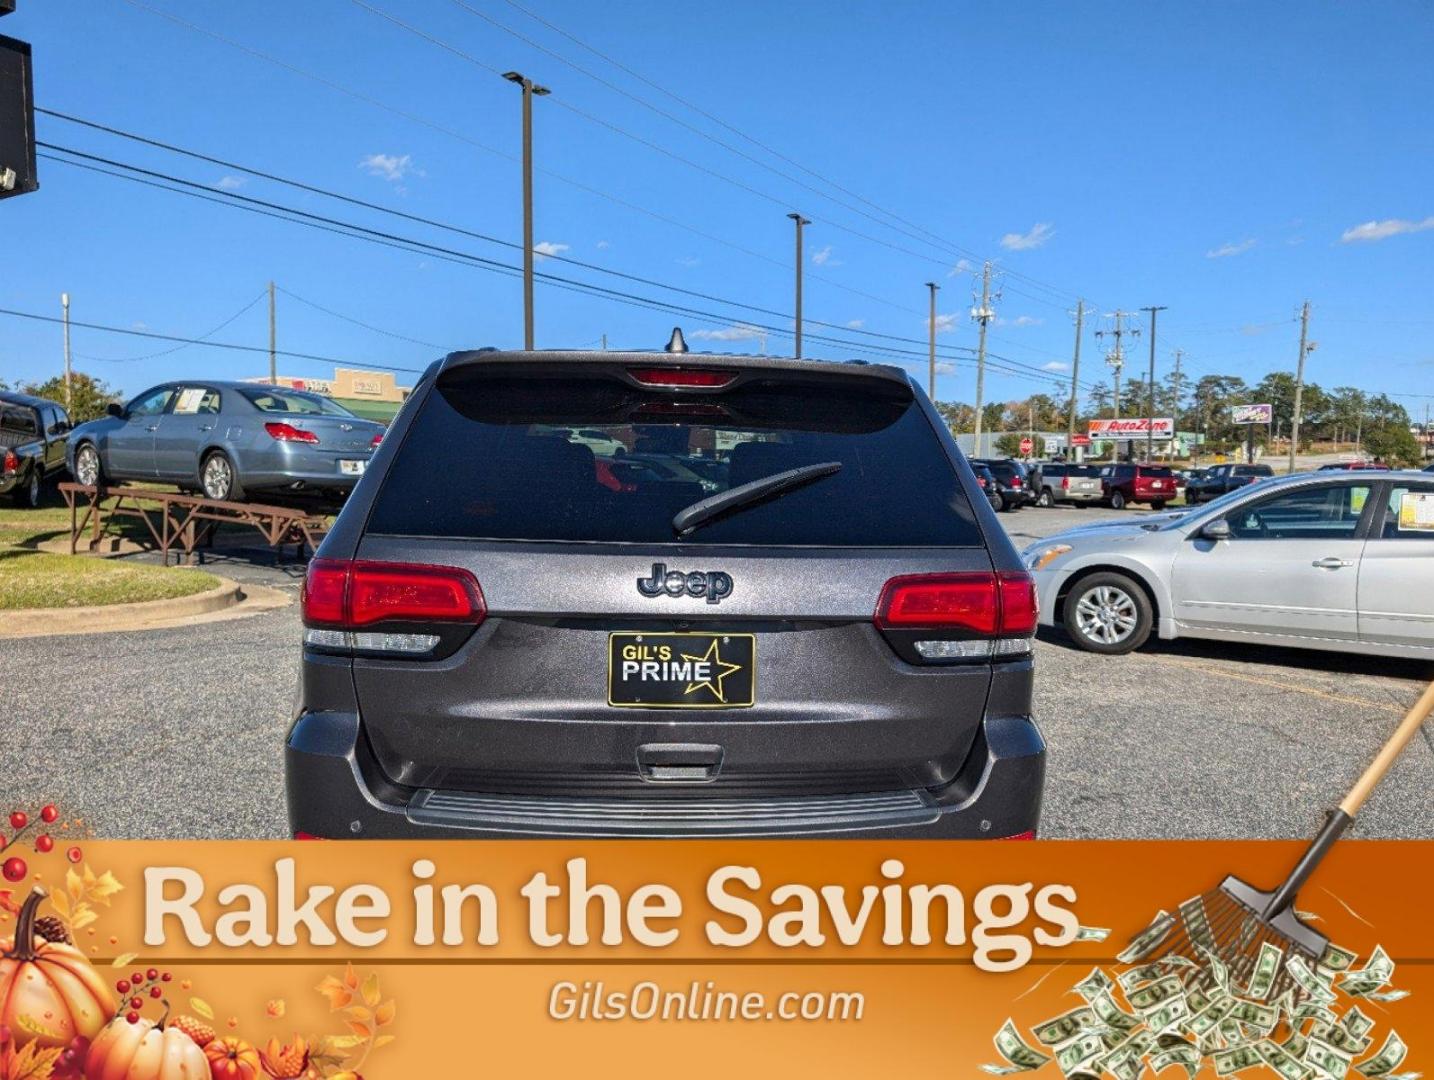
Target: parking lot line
[1278,684]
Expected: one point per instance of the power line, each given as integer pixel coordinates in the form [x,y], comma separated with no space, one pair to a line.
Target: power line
[177,348]
[359,322]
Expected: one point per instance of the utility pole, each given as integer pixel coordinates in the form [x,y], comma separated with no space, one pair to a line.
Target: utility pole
[1150,390]
[530,89]
[931,287]
[69,392]
[1075,378]
[1116,359]
[604,343]
[1306,347]
[982,315]
[273,341]
[1176,381]
[800,221]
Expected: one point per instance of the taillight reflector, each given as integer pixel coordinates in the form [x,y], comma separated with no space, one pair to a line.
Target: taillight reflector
[12,463]
[681,377]
[374,442]
[288,433]
[351,594]
[988,604]
[1029,834]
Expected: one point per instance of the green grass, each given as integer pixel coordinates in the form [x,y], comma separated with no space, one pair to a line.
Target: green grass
[30,579]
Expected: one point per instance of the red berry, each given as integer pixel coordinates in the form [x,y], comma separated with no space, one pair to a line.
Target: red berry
[152,974]
[136,1003]
[74,854]
[14,869]
[44,844]
[122,986]
[137,978]
[155,991]
[165,977]
[49,814]
[19,819]
[132,1017]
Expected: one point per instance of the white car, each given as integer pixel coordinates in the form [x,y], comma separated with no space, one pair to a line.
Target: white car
[602,444]
[1341,561]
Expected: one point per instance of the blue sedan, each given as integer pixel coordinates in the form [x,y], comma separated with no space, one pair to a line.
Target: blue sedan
[227,440]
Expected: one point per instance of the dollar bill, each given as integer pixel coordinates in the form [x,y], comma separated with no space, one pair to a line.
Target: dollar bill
[1375,974]
[1267,966]
[1391,1055]
[1308,981]
[1197,923]
[1355,1022]
[1144,973]
[1151,996]
[1020,1056]
[1329,1060]
[1071,1057]
[1149,939]
[1208,1019]
[1387,995]
[1296,1044]
[1185,1055]
[1256,1014]
[1236,1059]
[1282,1061]
[1340,1038]
[1217,969]
[1335,958]
[1168,1015]
[1112,1015]
[1067,1026]
[1094,984]
[1092,933]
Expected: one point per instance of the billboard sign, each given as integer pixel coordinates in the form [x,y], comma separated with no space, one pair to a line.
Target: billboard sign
[17,119]
[1162,427]
[1251,414]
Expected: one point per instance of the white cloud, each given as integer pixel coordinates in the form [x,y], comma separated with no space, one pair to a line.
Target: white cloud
[1026,320]
[945,324]
[231,183]
[963,266]
[1224,251]
[139,324]
[544,248]
[688,261]
[737,332]
[391,167]
[823,257]
[603,245]
[1056,365]
[1382,230]
[855,324]
[1038,235]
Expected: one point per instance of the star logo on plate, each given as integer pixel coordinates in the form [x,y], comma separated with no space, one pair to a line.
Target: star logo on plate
[720,668]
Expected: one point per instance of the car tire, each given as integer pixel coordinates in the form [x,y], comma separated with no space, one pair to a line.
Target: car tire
[1117,500]
[219,479]
[995,501]
[1158,504]
[1108,613]
[89,469]
[1045,499]
[33,493]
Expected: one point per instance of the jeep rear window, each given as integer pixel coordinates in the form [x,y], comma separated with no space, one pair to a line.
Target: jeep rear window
[504,457]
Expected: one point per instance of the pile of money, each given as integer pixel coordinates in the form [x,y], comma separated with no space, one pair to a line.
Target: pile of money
[1194,1011]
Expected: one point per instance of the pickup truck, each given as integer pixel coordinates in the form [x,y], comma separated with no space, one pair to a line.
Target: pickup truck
[33,433]
[1220,479]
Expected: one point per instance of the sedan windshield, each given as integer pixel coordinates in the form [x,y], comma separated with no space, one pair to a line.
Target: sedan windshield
[269,399]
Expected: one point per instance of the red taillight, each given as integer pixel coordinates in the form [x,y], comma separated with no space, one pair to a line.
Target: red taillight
[351,594]
[288,433]
[374,442]
[12,463]
[1065,483]
[1015,481]
[299,835]
[681,377]
[1029,834]
[989,604]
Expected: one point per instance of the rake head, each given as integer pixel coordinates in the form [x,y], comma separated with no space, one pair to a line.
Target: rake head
[1231,923]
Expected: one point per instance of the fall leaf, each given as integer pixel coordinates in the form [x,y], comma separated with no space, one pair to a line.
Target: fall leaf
[123,960]
[359,1013]
[31,1062]
[338,994]
[351,979]
[202,1007]
[363,1031]
[371,993]
[276,1008]
[383,1015]
[383,1040]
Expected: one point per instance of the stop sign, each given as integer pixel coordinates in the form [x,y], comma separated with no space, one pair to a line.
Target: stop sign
[1026,447]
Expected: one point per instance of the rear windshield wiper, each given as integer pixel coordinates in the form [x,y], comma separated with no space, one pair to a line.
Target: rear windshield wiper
[748,494]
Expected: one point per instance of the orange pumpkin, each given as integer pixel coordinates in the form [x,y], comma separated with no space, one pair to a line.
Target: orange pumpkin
[49,994]
[231,1058]
[144,1050]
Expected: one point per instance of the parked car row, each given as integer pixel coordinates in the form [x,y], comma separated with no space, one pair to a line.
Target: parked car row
[225,440]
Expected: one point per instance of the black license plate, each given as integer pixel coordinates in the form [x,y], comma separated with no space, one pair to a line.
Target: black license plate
[681,671]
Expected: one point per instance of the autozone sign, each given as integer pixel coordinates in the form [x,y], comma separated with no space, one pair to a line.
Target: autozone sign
[1162,426]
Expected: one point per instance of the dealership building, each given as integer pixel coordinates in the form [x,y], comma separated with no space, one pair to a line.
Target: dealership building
[372,394]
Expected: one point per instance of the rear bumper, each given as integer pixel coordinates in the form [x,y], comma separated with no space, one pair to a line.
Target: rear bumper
[336,791]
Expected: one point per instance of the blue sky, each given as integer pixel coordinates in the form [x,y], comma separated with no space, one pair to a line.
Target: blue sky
[1226,160]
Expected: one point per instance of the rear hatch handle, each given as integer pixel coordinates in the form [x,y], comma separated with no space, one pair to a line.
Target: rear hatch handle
[679,763]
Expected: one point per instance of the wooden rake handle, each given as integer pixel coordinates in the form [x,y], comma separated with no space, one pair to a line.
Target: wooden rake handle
[1387,755]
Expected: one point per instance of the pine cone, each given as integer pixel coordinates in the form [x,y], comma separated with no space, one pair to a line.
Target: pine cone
[52,929]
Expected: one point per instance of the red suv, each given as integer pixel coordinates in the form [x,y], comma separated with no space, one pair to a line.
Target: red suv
[1153,484]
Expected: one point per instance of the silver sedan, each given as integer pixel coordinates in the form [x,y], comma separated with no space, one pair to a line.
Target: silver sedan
[1318,561]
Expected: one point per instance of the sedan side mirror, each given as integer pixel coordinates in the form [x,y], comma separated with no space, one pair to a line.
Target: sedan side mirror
[1218,529]
[115,409]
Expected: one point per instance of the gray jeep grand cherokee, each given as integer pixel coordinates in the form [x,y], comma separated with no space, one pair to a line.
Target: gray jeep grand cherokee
[508,634]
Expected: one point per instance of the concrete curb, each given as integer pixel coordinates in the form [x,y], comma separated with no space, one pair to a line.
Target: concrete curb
[226,600]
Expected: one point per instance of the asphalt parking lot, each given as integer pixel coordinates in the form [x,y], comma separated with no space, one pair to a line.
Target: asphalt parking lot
[178,733]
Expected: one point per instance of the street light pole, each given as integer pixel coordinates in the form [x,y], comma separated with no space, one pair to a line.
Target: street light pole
[800,221]
[69,392]
[932,287]
[1150,391]
[1306,347]
[530,89]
